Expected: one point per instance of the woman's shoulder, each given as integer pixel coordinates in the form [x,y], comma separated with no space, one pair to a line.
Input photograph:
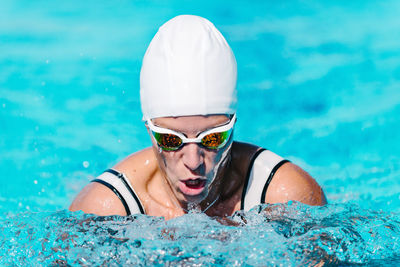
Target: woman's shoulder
[287,180]
[97,198]
[139,166]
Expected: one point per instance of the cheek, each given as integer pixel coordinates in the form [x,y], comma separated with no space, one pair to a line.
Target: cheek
[162,160]
[213,160]
[168,162]
[220,156]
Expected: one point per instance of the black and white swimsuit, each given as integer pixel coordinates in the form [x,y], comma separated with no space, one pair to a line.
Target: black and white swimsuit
[263,165]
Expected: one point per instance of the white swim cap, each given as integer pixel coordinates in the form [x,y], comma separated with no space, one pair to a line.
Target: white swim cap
[188,69]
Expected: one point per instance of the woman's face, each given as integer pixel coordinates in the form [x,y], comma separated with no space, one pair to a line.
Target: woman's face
[191,169]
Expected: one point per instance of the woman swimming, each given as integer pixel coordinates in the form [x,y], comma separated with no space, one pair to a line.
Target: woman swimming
[188,100]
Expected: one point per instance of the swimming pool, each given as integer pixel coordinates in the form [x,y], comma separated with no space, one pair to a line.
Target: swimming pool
[318,84]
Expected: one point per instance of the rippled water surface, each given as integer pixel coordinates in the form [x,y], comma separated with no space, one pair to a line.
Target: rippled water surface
[318,84]
[268,235]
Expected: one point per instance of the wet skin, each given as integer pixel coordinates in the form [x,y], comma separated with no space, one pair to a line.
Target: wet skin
[167,181]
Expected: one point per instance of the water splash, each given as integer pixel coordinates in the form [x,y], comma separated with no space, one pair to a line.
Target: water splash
[285,234]
[193,208]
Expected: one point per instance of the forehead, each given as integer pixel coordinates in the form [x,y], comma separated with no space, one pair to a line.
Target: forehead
[191,124]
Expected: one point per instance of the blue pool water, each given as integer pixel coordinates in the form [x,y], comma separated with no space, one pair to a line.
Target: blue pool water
[319,83]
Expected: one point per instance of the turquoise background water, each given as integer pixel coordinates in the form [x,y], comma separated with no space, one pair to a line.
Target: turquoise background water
[318,84]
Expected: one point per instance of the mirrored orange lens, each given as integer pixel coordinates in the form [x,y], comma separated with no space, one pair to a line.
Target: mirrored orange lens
[214,140]
[168,141]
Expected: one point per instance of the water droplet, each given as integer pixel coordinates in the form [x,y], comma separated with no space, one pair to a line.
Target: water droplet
[35,182]
[85,164]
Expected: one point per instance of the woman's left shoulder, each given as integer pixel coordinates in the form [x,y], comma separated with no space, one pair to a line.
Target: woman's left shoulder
[291,182]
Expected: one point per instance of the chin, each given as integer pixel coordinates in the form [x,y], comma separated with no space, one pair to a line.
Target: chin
[196,198]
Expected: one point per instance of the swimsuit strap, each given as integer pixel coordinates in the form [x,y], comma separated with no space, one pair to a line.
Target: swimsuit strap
[120,185]
[249,165]
[263,166]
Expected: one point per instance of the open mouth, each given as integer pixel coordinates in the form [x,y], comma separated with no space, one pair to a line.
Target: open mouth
[195,183]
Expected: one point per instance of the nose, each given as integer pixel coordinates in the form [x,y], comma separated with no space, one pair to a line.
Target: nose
[193,156]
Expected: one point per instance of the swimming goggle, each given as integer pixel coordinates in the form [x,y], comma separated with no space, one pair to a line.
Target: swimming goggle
[214,138]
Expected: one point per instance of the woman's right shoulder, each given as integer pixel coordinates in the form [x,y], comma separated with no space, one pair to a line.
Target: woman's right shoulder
[98,199]
[95,198]
[138,167]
